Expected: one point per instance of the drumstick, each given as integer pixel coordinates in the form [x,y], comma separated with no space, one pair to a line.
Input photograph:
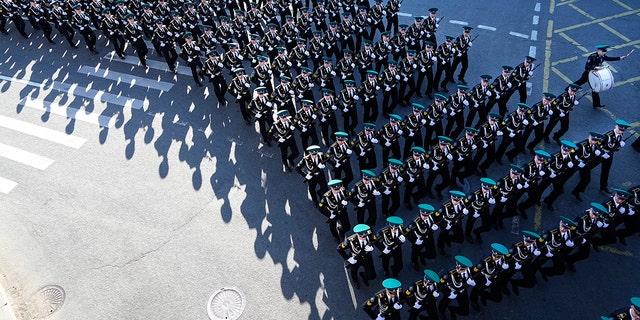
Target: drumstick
[630,52]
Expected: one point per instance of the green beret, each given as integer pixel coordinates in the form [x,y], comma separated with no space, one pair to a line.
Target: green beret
[395,220]
[372,72]
[462,87]
[596,135]
[285,79]
[335,183]
[341,134]
[431,275]
[549,95]
[516,169]
[495,116]
[327,91]
[417,106]
[471,130]
[522,105]
[306,102]
[543,154]
[464,261]
[488,181]
[187,35]
[486,77]
[283,113]
[623,124]
[394,117]
[507,68]
[440,97]
[499,248]
[603,47]
[359,228]
[426,207]
[530,235]
[566,144]
[391,284]
[622,193]
[395,162]
[313,148]
[574,86]
[368,173]
[369,125]
[444,139]
[418,149]
[600,209]
[529,58]
[566,222]
[448,37]
[457,194]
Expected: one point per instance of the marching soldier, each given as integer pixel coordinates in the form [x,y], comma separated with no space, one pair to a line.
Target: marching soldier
[392,8]
[111,29]
[524,254]
[478,101]
[357,248]
[390,135]
[206,12]
[269,13]
[631,312]
[463,157]
[324,75]
[133,33]
[612,142]
[423,294]
[262,74]
[400,41]
[253,50]
[406,69]
[390,180]
[11,11]
[413,128]
[589,155]
[431,24]
[501,87]
[463,44]
[445,53]
[348,98]
[163,39]
[457,281]
[390,243]
[319,16]
[365,193]
[331,38]
[415,32]
[239,27]
[588,225]
[515,125]
[162,10]
[631,220]
[365,147]
[456,104]
[617,208]
[426,59]
[282,131]
[316,48]
[261,109]
[559,242]
[539,114]
[387,302]
[289,33]
[311,168]
[382,48]
[239,87]
[369,92]
[421,234]
[224,33]
[346,30]
[495,277]
[488,135]
[510,190]
[190,52]
[213,69]
[441,154]
[303,85]
[564,165]
[253,19]
[81,21]
[451,224]
[299,55]
[389,80]
[38,16]
[60,20]
[340,158]
[282,95]
[480,202]
[281,64]
[325,109]
[232,59]
[334,206]
[521,73]
[192,19]
[346,66]
[434,115]
[416,164]
[594,63]
[147,20]
[563,104]
[537,174]
[271,41]
[177,27]
[361,24]
[304,120]
[365,58]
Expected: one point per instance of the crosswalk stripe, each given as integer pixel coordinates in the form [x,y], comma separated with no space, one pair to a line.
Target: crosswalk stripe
[74,89]
[126,78]
[6,185]
[153,64]
[24,157]
[42,132]
[69,112]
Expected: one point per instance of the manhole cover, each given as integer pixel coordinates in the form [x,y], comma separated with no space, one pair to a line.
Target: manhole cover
[226,304]
[49,300]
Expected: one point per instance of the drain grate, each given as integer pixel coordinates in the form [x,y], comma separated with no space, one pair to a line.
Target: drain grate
[49,300]
[226,304]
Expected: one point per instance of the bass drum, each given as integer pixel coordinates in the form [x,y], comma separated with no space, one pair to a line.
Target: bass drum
[601,80]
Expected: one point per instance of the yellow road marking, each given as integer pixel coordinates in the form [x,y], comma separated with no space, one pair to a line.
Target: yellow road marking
[616,251]
[582,12]
[615,32]
[552,6]
[574,58]
[619,15]
[561,75]
[614,70]
[623,5]
[537,220]
[573,42]
[631,80]
[565,2]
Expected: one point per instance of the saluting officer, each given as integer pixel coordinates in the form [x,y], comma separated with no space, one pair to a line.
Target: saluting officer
[390,243]
[480,202]
[339,154]
[240,88]
[390,180]
[390,135]
[463,44]
[261,109]
[311,168]
[453,212]
[133,33]
[539,114]
[563,104]
[356,249]
[590,155]
[333,205]
[305,121]
[594,63]
[282,131]
[421,234]
[387,303]
[441,154]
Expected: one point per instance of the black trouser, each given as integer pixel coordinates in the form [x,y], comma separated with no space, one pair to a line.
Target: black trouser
[464,60]
[429,131]
[324,129]
[394,198]
[394,149]
[506,209]
[310,134]
[428,305]
[67,32]
[518,146]
[20,25]
[604,171]
[338,230]
[494,292]
[583,251]
[457,120]
[220,89]
[428,73]
[369,161]
[539,135]
[480,109]
[558,186]
[264,124]
[389,101]
[170,56]
[196,68]
[444,173]
[118,43]
[382,63]
[448,76]
[406,96]
[46,28]
[462,308]
[424,251]
[370,110]
[558,260]
[365,262]
[485,226]
[528,271]
[345,167]
[584,78]
[141,49]
[585,177]
[410,141]
[347,43]
[369,207]
[490,151]
[454,234]
[350,119]
[522,92]
[89,38]
[534,193]
[396,255]
[418,183]
[291,145]
[564,125]
[392,22]
[456,173]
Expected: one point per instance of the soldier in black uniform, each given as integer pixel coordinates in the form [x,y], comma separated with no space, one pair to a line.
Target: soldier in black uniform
[348,98]
[311,168]
[111,28]
[365,143]
[281,64]
[422,296]
[416,33]
[589,225]
[463,44]
[262,74]
[421,234]
[406,69]
[224,33]
[11,11]
[559,243]
[190,52]
[282,95]
[346,30]
[346,66]
[387,303]
[381,51]
[325,110]
[563,104]
[488,135]
[365,58]
[81,21]
[232,59]
[413,123]
[392,8]
[632,312]
[339,155]
[463,157]
[457,281]
[147,20]
[282,131]
[478,101]
[445,53]
[390,135]
[305,121]
[60,20]
[456,104]
[361,24]
[254,20]
[289,33]
[501,86]
[359,245]
[390,243]
[594,63]
[590,155]
[133,33]
[426,59]
[539,114]
[524,256]
[617,207]
[399,42]
[261,109]
[612,142]
[192,19]
[316,51]
[441,154]
[431,24]
[319,16]
[325,74]
[303,85]
[206,12]
[177,27]
[453,212]
[537,175]
[390,180]
[514,126]
[495,276]
[38,16]
[299,55]
[416,164]
[564,164]
[163,39]
[253,50]
[480,202]
[365,193]
[374,19]
[389,80]
[521,73]
[510,188]
[369,91]
[239,87]
[434,115]
[331,38]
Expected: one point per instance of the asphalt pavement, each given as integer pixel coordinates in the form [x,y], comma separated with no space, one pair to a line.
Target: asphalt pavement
[137,194]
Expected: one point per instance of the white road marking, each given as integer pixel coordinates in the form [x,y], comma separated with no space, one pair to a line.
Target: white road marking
[463,23]
[536,19]
[534,35]
[402,14]
[532,51]
[481,26]
[126,78]
[24,157]
[521,35]
[537,7]
[42,132]
[69,112]
[6,185]
[153,64]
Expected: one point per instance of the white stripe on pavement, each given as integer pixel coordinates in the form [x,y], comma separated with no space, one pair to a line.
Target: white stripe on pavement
[74,89]
[68,112]
[534,35]
[24,157]
[42,132]
[490,28]
[532,51]
[521,35]
[463,23]
[6,185]
[402,14]
[126,78]
[153,64]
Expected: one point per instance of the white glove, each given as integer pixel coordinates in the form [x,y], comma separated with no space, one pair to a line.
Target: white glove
[400,179]
[552,175]
[386,250]
[189,60]
[411,134]
[292,127]
[362,153]
[473,147]
[269,104]
[368,248]
[460,158]
[289,63]
[622,143]
[356,98]
[402,238]
[345,110]
[333,73]
[374,140]
[352,260]
[597,152]
[247,85]
[452,113]
[535,123]
[526,185]
[337,165]
[376,192]
[423,121]
[570,164]
[569,243]
[606,156]
[499,133]
[432,123]
[484,144]
[584,241]
[622,210]
[526,122]
[238,97]
[414,66]
[562,114]
[452,295]
[550,112]
[360,204]
[397,77]
[258,115]
[471,282]
[377,87]
[344,202]
[411,179]
[434,59]
[419,241]
[349,151]
[434,227]
[503,199]
[387,88]
[599,224]
[509,85]
[476,215]
[488,283]
[162,44]
[397,306]
[536,252]
[465,211]
[387,191]
[606,225]
[379,317]
[417,305]
[459,54]
[511,134]
[311,85]
[489,93]
[334,107]
[542,173]
[308,177]
[423,69]
[505,266]
[450,156]
[549,255]
[435,168]
[448,227]
[466,103]
[575,103]
[388,144]
[366,98]
[492,201]
[518,266]
[519,186]
[497,96]
[281,140]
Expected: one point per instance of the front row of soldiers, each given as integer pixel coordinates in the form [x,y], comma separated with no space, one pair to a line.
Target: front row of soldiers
[548,254]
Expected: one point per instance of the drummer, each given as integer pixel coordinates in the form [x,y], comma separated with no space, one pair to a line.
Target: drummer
[594,63]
